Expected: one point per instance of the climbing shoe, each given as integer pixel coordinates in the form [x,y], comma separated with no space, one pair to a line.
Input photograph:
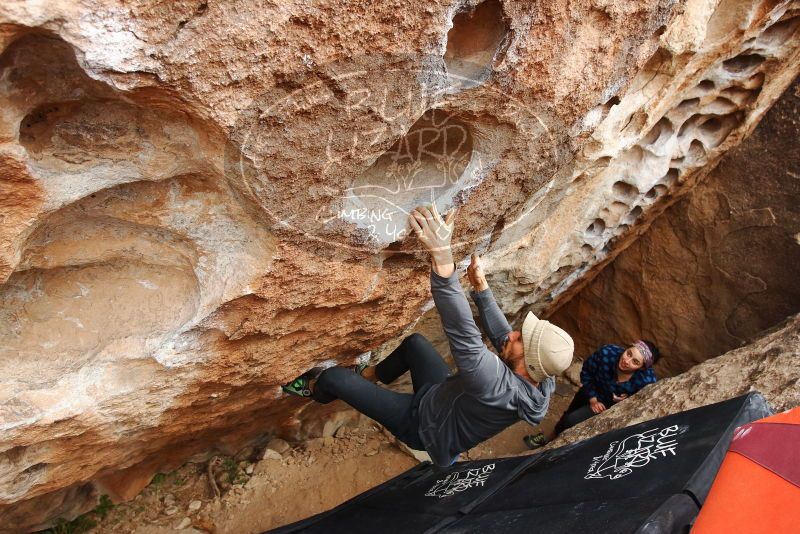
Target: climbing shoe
[359,367]
[301,386]
[534,441]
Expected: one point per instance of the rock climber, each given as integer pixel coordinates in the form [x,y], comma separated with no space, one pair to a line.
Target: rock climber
[448,414]
[610,375]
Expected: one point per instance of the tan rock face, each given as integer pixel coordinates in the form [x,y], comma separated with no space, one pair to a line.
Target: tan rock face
[769,365]
[201,200]
[717,268]
[697,96]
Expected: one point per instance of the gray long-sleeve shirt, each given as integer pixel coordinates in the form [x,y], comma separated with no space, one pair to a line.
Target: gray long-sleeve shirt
[484,396]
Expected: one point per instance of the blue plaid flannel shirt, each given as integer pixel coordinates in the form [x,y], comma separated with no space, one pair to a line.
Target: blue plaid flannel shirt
[599,376]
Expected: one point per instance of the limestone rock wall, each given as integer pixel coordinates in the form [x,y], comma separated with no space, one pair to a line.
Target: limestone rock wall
[202,199]
[716,268]
[697,96]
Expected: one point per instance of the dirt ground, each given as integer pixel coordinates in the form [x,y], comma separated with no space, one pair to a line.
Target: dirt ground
[307,478]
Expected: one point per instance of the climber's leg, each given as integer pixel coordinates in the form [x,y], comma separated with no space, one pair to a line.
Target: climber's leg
[577,412]
[389,408]
[415,354]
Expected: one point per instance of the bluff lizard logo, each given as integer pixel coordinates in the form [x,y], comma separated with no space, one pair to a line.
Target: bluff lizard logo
[638,450]
[460,481]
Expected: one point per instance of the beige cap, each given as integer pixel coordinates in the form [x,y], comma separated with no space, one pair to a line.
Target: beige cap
[548,348]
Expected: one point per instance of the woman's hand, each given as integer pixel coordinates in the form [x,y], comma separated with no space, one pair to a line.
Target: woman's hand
[435,233]
[620,397]
[596,405]
[476,275]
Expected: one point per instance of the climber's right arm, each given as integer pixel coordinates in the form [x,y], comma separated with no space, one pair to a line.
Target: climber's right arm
[476,365]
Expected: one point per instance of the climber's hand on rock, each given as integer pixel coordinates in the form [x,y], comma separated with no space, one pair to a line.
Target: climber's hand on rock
[435,232]
[477,278]
[620,397]
[432,230]
[596,405]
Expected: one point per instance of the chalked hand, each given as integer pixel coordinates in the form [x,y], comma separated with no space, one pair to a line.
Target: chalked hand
[476,275]
[435,233]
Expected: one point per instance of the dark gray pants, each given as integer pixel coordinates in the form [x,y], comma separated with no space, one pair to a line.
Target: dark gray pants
[396,411]
[577,412]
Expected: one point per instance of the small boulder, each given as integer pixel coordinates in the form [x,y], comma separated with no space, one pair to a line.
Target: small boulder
[270,454]
[279,445]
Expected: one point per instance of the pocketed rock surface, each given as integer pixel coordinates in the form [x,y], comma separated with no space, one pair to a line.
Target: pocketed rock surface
[716,268]
[202,200]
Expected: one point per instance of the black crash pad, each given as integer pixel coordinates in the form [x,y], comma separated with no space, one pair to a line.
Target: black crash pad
[648,478]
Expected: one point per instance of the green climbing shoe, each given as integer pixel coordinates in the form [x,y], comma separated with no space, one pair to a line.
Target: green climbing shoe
[534,441]
[301,386]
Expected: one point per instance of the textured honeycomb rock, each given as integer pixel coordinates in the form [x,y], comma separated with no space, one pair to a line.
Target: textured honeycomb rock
[200,199]
[717,267]
[692,101]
